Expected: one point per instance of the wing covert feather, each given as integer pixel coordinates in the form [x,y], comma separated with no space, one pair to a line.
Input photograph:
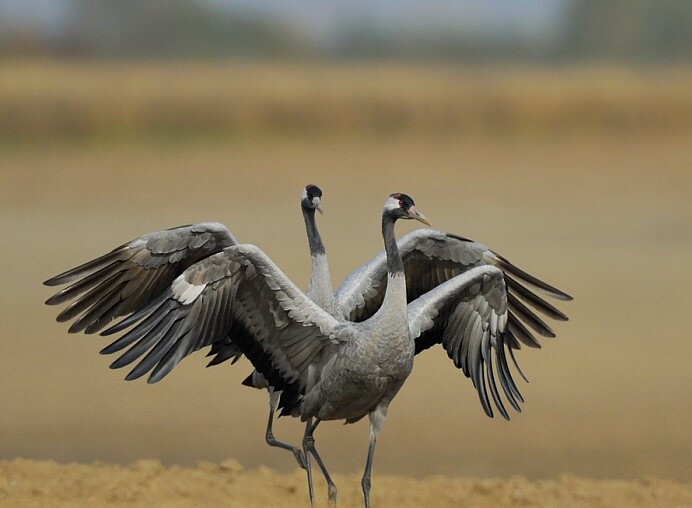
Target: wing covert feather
[237,296]
[130,276]
[433,257]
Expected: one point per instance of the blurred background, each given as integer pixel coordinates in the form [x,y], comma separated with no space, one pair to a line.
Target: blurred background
[557,132]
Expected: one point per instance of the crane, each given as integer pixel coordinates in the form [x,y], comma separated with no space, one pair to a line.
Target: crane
[131,275]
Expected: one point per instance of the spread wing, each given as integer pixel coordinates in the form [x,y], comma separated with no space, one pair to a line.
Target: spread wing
[468,316]
[130,276]
[236,293]
[433,257]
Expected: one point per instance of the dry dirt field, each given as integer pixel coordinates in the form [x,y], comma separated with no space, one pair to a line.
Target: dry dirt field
[604,216]
[146,483]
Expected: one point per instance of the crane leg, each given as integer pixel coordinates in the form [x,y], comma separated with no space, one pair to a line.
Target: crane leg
[274,397]
[377,418]
[309,449]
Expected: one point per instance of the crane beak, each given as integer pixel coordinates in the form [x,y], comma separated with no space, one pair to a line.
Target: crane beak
[415,214]
[318,205]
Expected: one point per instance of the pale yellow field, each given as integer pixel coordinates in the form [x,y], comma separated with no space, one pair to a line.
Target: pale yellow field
[602,216]
[59,100]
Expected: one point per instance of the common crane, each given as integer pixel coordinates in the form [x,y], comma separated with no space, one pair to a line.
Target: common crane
[127,278]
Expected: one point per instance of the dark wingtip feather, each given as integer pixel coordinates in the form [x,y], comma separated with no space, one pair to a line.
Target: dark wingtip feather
[516,365]
[160,372]
[86,268]
[77,326]
[507,266]
[519,331]
[133,375]
[534,300]
[528,317]
[508,385]
[120,362]
[214,361]
[119,326]
[112,348]
[493,390]
[132,318]
[248,381]
[53,300]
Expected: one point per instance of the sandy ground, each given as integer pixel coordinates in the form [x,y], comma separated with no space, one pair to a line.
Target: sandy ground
[606,219]
[28,484]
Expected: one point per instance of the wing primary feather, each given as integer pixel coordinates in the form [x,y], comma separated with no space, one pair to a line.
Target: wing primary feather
[508,384]
[87,300]
[520,332]
[147,341]
[91,317]
[516,365]
[83,285]
[474,357]
[119,253]
[104,317]
[535,301]
[529,317]
[148,324]
[493,387]
[453,330]
[166,365]
[511,340]
[162,347]
[223,353]
[132,318]
[507,266]
[183,346]
[482,392]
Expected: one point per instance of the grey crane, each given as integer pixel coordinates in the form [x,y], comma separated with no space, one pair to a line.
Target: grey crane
[319,291]
[431,258]
[126,279]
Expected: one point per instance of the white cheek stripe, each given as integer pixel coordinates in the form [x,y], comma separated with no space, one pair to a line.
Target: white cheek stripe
[391,204]
[185,292]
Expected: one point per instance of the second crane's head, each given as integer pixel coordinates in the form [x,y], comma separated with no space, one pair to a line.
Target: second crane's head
[312,198]
[401,206]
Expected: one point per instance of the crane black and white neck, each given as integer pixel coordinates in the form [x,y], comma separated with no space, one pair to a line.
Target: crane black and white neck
[320,288]
[319,291]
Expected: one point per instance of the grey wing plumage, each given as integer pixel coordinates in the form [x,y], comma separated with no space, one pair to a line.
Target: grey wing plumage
[468,315]
[130,276]
[432,257]
[236,293]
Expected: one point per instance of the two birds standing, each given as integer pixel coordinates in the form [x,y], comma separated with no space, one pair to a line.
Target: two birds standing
[323,355]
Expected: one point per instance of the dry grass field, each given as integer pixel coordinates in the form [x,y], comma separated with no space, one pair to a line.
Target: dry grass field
[67,100]
[604,215]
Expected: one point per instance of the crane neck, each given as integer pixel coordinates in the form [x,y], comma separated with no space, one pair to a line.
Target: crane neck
[393,307]
[320,286]
[395,265]
[314,239]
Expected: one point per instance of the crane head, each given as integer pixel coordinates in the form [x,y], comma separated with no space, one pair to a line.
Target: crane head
[311,198]
[401,206]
